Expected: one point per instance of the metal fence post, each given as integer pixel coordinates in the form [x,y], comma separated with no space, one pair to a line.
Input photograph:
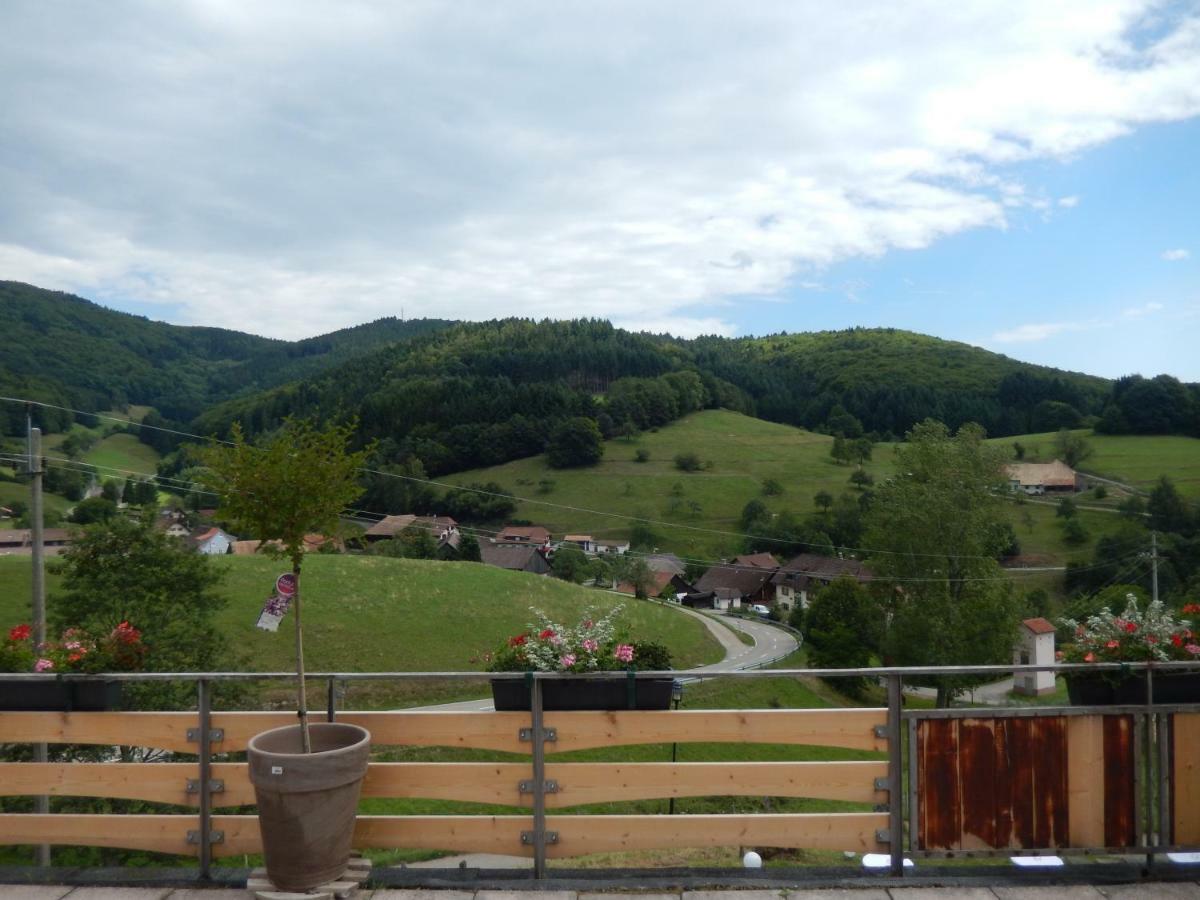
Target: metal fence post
[539,781]
[204,708]
[894,780]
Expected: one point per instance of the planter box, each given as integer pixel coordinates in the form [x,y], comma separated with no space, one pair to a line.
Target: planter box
[59,696]
[586,693]
[1130,690]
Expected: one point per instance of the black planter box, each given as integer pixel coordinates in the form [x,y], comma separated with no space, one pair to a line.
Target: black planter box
[1130,690]
[59,696]
[585,693]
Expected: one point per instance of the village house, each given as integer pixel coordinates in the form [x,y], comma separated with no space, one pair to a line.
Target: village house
[719,599]
[794,581]
[746,583]
[313,543]
[534,535]
[665,562]
[584,542]
[1043,478]
[613,548]
[389,527]
[515,557]
[210,541]
[19,541]
[660,582]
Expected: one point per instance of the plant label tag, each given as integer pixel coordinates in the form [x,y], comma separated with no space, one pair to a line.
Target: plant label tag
[276,770]
[273,612]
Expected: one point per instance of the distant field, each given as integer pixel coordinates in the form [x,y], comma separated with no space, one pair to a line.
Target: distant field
[744,452]
[367,613]
[54,505]
[124,452]
[1131,459]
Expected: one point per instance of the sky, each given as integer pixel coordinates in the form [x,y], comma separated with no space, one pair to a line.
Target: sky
[1017,175]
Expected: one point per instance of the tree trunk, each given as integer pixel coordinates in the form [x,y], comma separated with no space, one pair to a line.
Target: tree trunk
[943,697]
[302,711]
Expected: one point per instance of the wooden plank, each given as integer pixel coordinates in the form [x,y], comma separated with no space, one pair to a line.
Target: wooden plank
[1085,781]
[581,835]
[849,728]
[159,730]
[1120,815]
[481,730]
[154,782]
[164,834]
[601,782]
[578,835]
[1185,778]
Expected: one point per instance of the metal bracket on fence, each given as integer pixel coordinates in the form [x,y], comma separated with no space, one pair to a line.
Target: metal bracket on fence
[530,837]
[215,786]
[526,786]
[215,735]
[549,735]
[881,783]
[883,836]
[881,731]
[214,837]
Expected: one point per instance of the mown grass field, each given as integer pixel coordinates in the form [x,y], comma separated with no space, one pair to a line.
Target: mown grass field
[1131,459]
[744,451]
[123,452]
[367,613]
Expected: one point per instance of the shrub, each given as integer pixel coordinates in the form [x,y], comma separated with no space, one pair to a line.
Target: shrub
[687,462]
[642,455]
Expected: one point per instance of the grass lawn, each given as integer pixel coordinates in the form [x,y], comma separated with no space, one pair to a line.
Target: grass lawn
[367,613]
[54,505]
[744,452]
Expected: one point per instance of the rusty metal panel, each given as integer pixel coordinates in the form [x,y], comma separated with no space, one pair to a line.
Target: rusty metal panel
[992,783]
[1120,817]
[940,821]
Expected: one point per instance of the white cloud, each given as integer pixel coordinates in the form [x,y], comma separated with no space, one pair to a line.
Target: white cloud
[1179,253]
[1068,202]
[1038,331]
[288,167]
[1138,312]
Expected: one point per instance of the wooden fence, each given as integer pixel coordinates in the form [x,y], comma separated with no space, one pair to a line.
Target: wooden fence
[567,784]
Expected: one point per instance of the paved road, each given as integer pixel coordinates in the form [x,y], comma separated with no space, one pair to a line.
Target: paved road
[770,644]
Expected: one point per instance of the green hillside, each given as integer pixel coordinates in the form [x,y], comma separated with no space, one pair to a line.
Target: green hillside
[66,350]
[370,613]
[744,452]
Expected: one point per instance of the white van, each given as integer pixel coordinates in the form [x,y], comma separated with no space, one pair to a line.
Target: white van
[760,609]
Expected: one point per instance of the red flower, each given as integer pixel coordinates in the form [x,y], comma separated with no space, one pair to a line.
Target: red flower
[1191,608]
[1151,639]
[20,633]
[517,641]
[546,633]
[1130,627]
[1091,657]
[1113,644]
[1177,640]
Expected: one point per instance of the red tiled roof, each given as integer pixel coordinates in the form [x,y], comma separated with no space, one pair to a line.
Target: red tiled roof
[1039,625]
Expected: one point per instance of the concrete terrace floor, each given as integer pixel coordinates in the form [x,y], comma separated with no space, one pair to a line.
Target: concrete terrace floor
[1151,890]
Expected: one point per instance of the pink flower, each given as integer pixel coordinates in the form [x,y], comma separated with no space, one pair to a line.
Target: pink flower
[590,645]
[43,665]
[1113,644]
[567,660]
[1091,657]
[1193,649]
[624,653]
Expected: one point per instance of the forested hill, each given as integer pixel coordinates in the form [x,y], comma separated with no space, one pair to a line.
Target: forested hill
[478,394]
[62,349]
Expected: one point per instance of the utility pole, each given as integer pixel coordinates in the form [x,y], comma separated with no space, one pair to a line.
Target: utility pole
[1154,566]
[38,600]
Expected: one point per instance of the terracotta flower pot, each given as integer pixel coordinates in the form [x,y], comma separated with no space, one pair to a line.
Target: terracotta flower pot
[307,802]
